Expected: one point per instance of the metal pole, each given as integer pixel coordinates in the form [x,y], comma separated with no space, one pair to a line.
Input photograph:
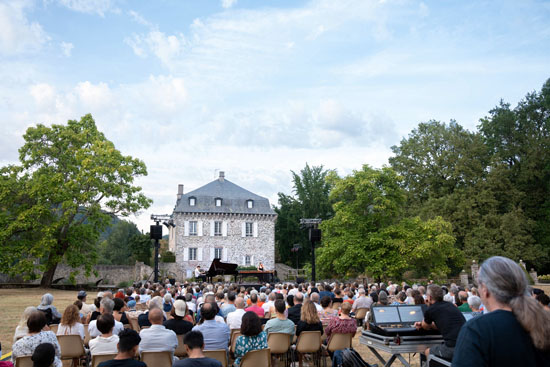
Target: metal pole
[313,261]
[157,259]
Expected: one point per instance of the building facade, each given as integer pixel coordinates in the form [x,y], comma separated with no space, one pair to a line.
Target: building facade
[222,220]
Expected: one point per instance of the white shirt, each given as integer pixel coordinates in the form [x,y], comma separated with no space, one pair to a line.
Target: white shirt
[318,307]
[157,338]
[143,298]
[197,273]
[235,318]
[87,308]
[101,345]
[267,306]
[92,328]
[76,329]
[192,306]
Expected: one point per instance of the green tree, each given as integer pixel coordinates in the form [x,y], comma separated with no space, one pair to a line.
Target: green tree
[368,233]
[311,187]
[57,202]
[124,245]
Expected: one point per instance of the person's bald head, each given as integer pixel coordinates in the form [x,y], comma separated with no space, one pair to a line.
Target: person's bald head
[463,296]
[239,302]
[155,316]
[314,297]
[298,297]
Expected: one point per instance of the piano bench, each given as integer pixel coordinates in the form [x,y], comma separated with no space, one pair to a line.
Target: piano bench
[439,361]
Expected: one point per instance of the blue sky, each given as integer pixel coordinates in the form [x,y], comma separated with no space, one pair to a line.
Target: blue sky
[259,88]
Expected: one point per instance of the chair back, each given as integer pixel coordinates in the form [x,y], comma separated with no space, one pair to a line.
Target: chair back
[134,324]
[24,361]
[71,346]
[257,358]
[218,354]
[144,327]
[157,358]
[361,313]
[339,341]
[234,337]
[309,342]
[278,343]
[53,328]
[87,336]
[180,350]
[127,326]
[336,306]
[98,358]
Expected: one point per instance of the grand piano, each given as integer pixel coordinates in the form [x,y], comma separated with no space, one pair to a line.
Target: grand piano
[219,268]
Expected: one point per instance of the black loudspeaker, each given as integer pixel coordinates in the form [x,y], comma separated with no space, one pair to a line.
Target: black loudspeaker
[156,232]
[315,235]
[300,280]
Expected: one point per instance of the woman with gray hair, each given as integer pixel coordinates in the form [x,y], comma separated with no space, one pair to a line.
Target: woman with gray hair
[52,315]
[516,331]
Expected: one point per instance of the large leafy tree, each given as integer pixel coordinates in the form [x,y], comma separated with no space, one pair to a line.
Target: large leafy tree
[368,233]
[311,188]
[124,245]
[55,204]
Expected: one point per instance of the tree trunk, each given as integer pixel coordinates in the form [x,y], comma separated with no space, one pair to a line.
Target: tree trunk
[47,277]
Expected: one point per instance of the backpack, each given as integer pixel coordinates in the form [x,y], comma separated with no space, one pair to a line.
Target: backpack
[351,358]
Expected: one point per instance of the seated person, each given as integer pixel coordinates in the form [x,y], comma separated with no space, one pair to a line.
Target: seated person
[157,338]
[254,306]
[327,312]
[280,324]
[215,334]
[106,343]
[43,356]
[105,307]
[70,322]
[177,324]
[199,274]
[475,303]
[36,336]
[127,348]
[155,302]
[252,338]
[119,311]
[194,345]
[463,299]
[52,315]
[309,319]
[22,330]
[445,317]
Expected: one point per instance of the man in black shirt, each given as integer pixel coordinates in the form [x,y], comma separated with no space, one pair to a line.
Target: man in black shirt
[445,317]
[127,348]
[295,311]
[194,345]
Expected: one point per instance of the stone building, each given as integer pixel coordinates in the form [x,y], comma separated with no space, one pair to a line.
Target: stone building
[222,220]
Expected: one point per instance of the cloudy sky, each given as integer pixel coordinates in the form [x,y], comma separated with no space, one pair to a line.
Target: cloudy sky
[259,88]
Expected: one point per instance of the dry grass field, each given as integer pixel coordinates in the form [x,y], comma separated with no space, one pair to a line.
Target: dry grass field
[14,301]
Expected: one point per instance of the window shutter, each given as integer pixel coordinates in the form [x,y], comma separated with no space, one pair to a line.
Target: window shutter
[199,254]
[224,254]
[243,229]
[185,254]
[252,260]
[224,228]
[255,229]
[244,260]
[189,273]
[199,228]
[211,228]
[212,253]
[186,228]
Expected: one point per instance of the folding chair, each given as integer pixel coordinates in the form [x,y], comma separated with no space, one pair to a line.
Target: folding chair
[72,347]
[180,350]
[360,315]
[337,305]
[98,358]
[234,337]
[53,328]
[134,323]
[309,342]
[257,358]
[338,341]
[24,361]
[279,344]
[163,359]
[87,336]
[219,354]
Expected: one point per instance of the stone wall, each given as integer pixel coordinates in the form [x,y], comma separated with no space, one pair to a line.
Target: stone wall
[110,274]
[235,247]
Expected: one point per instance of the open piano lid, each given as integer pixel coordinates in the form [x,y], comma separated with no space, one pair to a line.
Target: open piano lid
[219,268]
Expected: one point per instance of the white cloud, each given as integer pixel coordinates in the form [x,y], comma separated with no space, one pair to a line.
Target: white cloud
[94,96]
[43,94]
[17,34]
[226,4]
[139,19]
[99,7]
[67,48]
[166,48]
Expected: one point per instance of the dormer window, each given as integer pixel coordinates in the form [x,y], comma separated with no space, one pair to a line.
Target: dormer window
[218,202]
[250,204]
[192,201]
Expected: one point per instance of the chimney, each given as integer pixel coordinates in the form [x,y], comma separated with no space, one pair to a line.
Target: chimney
[222,176]
[180,191]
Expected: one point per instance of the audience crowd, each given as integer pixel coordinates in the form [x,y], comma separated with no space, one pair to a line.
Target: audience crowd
[206,314]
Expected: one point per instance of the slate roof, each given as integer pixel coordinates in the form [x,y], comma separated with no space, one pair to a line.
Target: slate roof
[234,200]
